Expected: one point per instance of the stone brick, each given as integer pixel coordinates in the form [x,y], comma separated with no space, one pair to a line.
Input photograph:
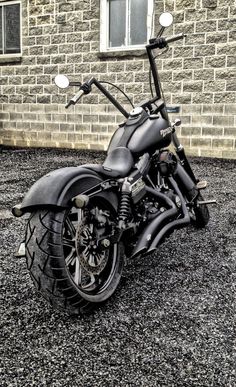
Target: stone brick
[202,120]
[205,50]
[195,15]
[182,75]
[209,26]
[231,85]
[213,109]
[90,118]
[213,132]
[66,7]
[181,98]
[173,64]
[193,63]
[230,109]
[216,61]
[99,128]
[229,154]
[231,61]
[183,4]
[104,138]
[214,86]
[222,143]
[225,74]
[59,136]
[192,109]
[193,86]
[210,153]
[227,49]
[37,126]
[185,28]
[202,98]
[183,51]
[226,25]
[191,131]
[209,3]
[133,66]
[195,39]
[223,121]
[230,132]
[201,142]
[218,13]
[97,147]
[232,36]
[87,138]
[226,97]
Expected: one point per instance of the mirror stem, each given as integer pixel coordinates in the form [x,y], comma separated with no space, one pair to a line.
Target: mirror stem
[160,32]
[75,84]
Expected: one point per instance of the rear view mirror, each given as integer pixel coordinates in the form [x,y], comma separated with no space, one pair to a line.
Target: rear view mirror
[166,19]
[62,81]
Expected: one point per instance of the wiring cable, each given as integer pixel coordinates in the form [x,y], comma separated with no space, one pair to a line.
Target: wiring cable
[126,96]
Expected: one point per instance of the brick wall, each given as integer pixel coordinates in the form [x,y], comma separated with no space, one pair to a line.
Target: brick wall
[198,74]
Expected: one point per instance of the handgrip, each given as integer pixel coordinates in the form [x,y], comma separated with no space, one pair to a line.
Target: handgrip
[75,99]
[174,38]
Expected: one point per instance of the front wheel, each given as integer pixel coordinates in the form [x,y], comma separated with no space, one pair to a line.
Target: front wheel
[199,214]
[71,257]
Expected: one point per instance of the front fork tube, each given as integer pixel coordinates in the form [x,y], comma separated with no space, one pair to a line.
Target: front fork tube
[182,156]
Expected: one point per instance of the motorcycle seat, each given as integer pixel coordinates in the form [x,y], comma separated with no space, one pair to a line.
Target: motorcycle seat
[118,163]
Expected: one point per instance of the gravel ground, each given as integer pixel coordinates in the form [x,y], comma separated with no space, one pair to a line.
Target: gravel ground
[171,322]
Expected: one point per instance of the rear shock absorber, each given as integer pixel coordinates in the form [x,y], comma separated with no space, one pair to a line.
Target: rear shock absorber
[124,208]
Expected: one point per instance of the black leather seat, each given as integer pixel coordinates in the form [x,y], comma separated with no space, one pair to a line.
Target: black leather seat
[118,163]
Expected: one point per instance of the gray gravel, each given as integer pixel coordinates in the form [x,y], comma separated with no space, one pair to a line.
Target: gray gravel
[171,322]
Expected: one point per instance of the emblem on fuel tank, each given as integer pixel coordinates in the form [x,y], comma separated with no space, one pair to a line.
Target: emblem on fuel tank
[166,131]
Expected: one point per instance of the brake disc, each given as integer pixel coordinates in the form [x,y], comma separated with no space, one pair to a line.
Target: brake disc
[92,257]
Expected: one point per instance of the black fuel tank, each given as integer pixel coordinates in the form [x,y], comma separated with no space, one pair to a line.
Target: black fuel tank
[153,133]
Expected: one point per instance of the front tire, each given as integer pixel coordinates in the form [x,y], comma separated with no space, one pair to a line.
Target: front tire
[200,214]
[67,264]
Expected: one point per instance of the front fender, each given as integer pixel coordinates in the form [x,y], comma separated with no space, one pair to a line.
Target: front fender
[58,187]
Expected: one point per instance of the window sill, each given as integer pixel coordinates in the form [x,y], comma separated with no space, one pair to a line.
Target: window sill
[12,59]
[121,54]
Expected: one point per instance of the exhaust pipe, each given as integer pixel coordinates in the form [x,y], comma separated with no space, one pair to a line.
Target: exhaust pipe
[150,238]
[176,224]
[151,230]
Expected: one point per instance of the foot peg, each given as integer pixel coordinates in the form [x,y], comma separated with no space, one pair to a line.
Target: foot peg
[201,184]
[202,202]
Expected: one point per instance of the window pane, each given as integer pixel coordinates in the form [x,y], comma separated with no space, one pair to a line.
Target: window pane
[1,30]
[117,23]
[12,28]
[138,21]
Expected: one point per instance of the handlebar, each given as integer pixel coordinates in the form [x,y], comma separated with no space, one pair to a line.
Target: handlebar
[174,38]
[161,42]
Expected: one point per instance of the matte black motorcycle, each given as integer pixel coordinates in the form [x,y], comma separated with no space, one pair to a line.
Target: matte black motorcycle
[85,220]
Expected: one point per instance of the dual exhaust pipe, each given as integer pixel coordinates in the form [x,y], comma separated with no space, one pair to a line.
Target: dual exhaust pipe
[165,223]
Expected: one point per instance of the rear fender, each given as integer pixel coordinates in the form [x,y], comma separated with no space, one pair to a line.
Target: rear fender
[57,188]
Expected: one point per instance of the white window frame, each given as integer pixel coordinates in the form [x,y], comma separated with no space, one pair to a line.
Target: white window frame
[104,28]
[19,54]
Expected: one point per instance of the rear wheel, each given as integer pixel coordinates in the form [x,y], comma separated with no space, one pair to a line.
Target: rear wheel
[71,257]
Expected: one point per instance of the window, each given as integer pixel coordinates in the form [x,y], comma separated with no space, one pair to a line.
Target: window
[10,28]
[125,24]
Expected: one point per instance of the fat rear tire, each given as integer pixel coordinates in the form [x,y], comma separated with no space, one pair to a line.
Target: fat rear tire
[49,272]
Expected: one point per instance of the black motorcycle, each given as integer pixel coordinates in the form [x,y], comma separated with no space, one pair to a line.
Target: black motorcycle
[85,221]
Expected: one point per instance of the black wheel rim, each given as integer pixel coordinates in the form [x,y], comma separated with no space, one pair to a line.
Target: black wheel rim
[90,270]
